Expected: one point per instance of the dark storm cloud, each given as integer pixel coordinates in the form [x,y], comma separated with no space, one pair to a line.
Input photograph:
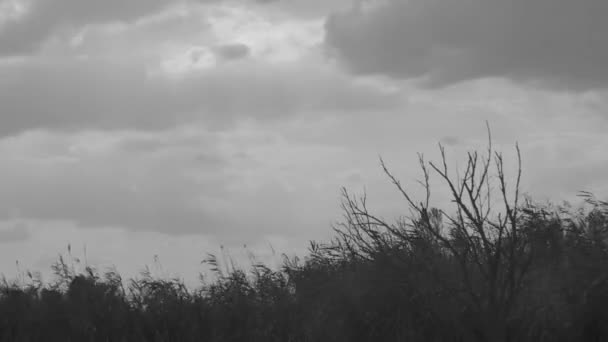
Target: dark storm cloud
[556,42]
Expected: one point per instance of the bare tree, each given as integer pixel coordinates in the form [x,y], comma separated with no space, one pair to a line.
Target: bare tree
[484,235]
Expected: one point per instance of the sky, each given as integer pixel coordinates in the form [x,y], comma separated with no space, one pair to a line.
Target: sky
[153,132]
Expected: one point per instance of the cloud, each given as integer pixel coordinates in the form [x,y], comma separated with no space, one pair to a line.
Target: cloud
[40,19]
[559,43]
[25,25]
[306,9]
[98,185]
[135,131]
[104,94]
[281,177]
[181,181]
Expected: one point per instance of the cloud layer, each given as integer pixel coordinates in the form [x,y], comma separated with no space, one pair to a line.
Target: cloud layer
[153,127]
[101,94]
[558,42]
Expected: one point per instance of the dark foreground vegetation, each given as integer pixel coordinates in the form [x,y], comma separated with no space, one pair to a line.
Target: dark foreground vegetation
[494,267]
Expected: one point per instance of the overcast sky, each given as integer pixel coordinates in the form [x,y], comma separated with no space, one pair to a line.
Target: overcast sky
[171,127]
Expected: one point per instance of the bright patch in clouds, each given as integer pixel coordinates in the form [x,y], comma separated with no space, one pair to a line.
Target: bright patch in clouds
[239,33]
[269,37]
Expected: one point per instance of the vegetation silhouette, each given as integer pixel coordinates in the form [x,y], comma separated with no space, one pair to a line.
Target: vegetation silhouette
[497,267]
